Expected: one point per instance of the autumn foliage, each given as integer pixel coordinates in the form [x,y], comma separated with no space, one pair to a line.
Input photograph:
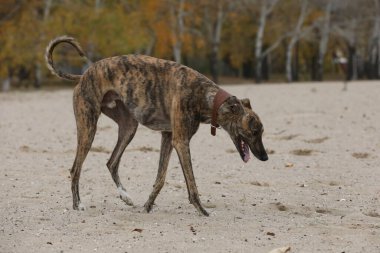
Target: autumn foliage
[257,39]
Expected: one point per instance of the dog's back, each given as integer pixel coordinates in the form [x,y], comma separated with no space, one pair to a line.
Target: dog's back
[146,85]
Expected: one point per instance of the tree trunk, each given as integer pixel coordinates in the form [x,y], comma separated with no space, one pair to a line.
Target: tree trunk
[37,75]
[178,30]
[289,72]
[376,41]
[47,9]
[325,33]
[293,40]
[373,62]
[295,67]
[97,6]
[259,42]
[352,73]
[258,70]
[91,46]
[149,48]
[37,64]
[177,52]
[215,33]
[313,67]
[7,82]
[266,8]
[378,58]
[214,70]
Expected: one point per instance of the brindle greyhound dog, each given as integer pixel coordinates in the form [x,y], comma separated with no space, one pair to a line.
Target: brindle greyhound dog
[161,95]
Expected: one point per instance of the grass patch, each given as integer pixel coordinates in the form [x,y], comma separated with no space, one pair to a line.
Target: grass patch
[100,149]
[360,155]
[288,137]
[317,140]
[302,152]
[146,149]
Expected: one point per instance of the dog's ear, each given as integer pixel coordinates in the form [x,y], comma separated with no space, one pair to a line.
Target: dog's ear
[246,103]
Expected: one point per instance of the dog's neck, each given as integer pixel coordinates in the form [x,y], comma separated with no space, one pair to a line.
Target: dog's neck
[207,106]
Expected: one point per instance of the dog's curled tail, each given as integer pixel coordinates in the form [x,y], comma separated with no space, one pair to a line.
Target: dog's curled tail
[49,56]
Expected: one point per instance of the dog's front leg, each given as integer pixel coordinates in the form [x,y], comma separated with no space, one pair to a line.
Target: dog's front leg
[184,127]
[183,151]
[166,150]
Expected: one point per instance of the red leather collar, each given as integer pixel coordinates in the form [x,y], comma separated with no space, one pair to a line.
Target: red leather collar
[220,97]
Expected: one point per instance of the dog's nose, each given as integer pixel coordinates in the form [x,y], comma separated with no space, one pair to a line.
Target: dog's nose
[264,157]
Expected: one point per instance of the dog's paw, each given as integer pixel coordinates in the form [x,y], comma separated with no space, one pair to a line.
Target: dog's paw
[148,207]
[203,211]
[124,196]
[127,200]
[79,207]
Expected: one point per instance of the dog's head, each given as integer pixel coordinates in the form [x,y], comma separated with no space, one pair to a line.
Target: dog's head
[244,127]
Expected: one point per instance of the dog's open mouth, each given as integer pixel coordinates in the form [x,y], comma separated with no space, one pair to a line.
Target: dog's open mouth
[243,149]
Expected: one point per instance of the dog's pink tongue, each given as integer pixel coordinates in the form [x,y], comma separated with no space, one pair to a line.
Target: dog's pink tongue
[246,154]
[246,158]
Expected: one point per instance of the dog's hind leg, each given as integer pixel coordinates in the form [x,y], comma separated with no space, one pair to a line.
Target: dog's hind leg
[166,150]
[114,108]
[86,118]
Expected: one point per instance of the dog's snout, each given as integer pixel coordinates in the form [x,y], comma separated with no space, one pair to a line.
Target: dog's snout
[264,158]
[259,151]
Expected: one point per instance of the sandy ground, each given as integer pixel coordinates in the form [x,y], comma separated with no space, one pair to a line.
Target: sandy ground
[319,191]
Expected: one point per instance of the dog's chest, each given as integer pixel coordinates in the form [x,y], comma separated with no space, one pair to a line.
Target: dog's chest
[151,117]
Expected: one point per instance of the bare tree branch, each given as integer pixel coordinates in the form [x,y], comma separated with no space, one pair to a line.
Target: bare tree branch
[12,12]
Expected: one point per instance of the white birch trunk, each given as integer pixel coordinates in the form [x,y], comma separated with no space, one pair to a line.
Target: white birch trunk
[47,9]
[6,84]
[293,41]
[178,30]
[149,48]
[266,8]
[259,41]
[97,6]
[215,42]
[37,64]
[324,40]
[212,29]
[376,38]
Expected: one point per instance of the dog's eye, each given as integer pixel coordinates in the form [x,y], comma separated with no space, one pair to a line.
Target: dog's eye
[252,124]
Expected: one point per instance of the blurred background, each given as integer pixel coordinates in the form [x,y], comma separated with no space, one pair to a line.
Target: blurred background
[229,41]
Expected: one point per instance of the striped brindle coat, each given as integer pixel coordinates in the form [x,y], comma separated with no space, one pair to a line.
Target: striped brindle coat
[161,95]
